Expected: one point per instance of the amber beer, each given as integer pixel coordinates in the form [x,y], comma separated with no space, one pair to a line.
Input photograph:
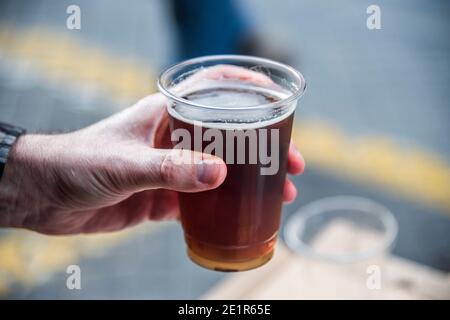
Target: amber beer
[234,227]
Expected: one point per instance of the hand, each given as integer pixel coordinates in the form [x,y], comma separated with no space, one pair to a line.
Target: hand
[108,176]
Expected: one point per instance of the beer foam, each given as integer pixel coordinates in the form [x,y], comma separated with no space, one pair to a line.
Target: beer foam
[228,94]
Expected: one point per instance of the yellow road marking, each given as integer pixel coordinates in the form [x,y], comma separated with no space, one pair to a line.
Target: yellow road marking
[26,257]
[63,59]
[413,174]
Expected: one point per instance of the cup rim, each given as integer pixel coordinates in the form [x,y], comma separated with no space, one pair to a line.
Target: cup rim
[297,94]
[296,225]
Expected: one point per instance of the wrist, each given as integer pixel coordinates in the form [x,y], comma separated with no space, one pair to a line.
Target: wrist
[19,190]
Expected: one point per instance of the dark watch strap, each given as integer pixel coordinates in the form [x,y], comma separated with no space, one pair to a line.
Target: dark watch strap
[8,135]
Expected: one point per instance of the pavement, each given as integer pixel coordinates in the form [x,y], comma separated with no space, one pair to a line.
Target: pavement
[374,123]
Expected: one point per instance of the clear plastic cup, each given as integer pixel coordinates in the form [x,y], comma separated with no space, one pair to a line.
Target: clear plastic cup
[342,243]
[234,227]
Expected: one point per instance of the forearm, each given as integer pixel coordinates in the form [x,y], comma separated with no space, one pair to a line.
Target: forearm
[20,190]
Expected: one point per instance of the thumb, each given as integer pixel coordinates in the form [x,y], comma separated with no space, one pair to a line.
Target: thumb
[179,170]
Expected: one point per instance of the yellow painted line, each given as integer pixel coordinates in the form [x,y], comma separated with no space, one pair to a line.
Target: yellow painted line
[27,258]
[63,59]
[413,174]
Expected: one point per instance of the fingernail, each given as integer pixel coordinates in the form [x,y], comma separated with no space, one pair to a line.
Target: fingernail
[207,171]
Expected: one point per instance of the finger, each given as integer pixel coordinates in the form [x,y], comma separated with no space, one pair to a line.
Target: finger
[165,205]
[139,119]
[222,72]
[225,71]
[161,136]
[296,163]
[289,191]
[179,170]
[146,108]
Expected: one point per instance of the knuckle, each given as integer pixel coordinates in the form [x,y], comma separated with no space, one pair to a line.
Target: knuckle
[166,169]
[176,169]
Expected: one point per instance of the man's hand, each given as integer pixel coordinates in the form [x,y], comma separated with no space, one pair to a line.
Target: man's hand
[108,176]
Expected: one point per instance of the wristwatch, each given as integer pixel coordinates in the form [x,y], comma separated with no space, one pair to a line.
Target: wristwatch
[8,135]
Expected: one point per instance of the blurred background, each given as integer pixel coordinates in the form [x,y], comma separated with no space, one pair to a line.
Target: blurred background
[373,123]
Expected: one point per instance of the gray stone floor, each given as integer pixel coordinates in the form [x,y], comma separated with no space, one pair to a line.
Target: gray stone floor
[391,82]
[155,266]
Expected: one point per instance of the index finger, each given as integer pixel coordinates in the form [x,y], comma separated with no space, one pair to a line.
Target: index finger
[296,163]
[222,72]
